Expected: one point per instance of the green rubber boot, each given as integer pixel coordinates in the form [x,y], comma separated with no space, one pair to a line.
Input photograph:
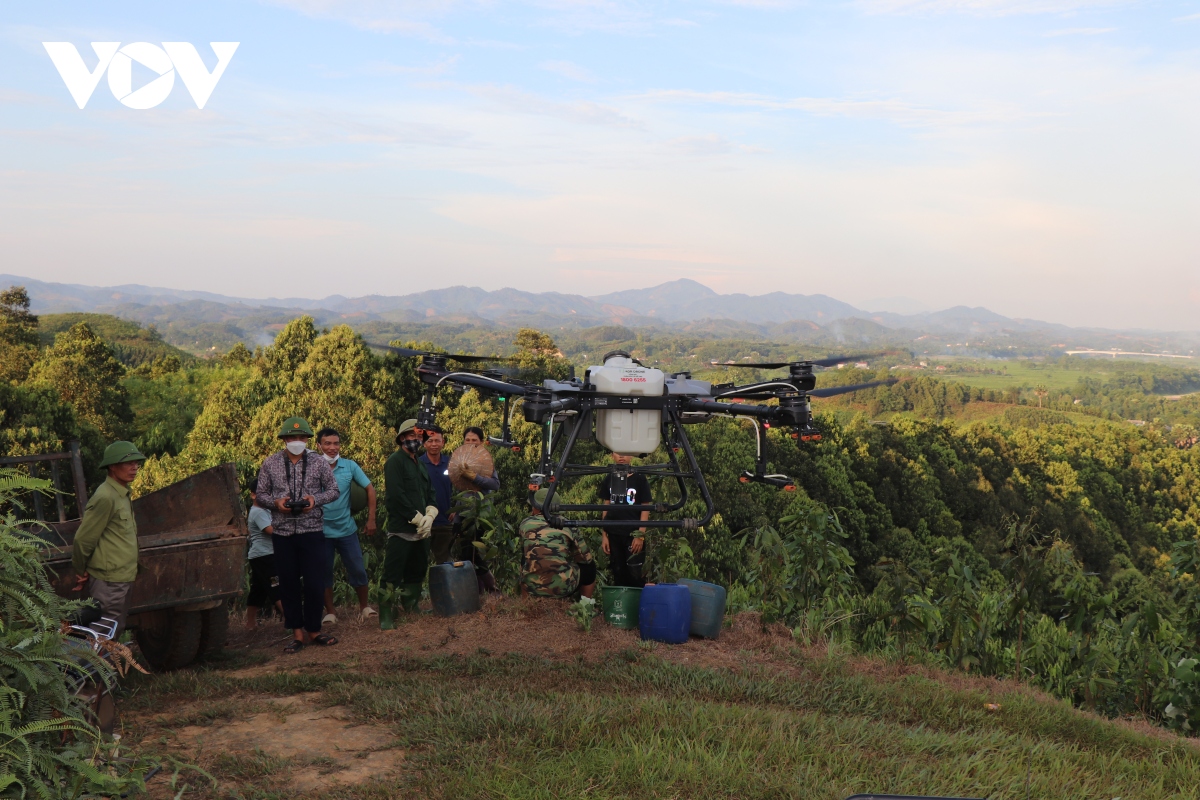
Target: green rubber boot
[410,596]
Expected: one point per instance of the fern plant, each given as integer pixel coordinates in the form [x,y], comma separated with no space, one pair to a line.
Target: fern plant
[48,746]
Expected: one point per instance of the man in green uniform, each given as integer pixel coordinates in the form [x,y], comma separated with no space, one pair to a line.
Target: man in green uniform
[555,562]
[411,509]
[105,554]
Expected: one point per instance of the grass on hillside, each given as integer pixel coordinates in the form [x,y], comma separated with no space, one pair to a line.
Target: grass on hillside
[636,722]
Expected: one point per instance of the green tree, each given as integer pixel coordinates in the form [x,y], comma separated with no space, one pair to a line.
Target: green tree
[331,379]
[82,369]
[18,335]
[291,347]
[539,358]
[238,356]
[1024,567]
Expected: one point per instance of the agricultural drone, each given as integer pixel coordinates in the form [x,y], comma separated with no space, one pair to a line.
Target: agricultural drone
[631,409]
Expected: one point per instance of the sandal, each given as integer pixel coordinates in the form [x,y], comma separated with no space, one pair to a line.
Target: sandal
[324,640]
[295,646]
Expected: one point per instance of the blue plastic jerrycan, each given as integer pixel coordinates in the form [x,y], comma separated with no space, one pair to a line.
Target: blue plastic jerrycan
[708,607]
[453,588]
[665,613]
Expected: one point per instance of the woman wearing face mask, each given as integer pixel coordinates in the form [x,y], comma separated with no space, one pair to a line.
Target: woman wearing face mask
[412,509]
[294,484]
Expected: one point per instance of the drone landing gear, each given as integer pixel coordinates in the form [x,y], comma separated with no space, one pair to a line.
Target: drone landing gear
[778,481]
[505,438]
[759,475]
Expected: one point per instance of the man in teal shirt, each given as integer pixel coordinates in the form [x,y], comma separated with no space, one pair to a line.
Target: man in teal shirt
[341,532]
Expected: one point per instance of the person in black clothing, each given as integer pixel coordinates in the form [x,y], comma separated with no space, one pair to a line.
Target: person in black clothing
[625,547]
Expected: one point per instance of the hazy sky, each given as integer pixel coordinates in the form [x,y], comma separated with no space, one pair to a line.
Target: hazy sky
[1038,157]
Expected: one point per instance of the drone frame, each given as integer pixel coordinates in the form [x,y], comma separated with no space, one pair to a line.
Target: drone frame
[571,405]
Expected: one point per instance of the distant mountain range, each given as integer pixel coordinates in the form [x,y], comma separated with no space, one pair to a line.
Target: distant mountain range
[678,301]
[194,319]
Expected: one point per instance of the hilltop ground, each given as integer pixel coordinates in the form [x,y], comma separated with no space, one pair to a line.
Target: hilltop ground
[516,701]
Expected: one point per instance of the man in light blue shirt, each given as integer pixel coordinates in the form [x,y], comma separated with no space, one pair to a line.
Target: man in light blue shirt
[341,531]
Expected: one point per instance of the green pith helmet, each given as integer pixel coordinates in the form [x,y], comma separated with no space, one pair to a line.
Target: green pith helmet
[405,427]
[539,499]
[295,425]
[119,453]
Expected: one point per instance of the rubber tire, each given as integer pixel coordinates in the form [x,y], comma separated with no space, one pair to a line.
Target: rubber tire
[181,645]
[214,630]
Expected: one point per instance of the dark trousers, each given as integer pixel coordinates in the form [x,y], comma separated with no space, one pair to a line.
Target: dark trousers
[264,581]
[300,562]
[626,566]
[405,564]
[462,548]
[113,599]
[440,542]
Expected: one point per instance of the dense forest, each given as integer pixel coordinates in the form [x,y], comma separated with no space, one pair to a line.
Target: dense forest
[1040,539]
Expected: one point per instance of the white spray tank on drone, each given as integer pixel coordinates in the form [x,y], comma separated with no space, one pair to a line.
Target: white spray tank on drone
[629,431]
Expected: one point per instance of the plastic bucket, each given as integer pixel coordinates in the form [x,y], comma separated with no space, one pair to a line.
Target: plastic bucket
[620,605]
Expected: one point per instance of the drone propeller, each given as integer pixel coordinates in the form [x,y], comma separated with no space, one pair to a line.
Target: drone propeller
[816,362]
[408,351]
[833,391]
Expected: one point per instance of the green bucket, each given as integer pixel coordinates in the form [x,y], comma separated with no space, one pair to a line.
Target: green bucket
[620,605]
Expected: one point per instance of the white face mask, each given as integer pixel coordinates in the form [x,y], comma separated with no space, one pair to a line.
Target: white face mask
[329,459]
[297,447]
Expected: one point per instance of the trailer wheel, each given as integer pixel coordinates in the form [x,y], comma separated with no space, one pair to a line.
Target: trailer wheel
[173,642]
[214,630]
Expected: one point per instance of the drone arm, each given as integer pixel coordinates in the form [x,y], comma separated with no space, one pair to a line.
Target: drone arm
[478,382]
[731,409]
[833,391]
[760,389]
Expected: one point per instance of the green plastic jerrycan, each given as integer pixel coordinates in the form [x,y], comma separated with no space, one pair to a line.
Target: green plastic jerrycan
[453,588]
[708,607]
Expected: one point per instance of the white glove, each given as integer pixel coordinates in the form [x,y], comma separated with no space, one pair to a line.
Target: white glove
[432,512]
[426,527]
[418,519]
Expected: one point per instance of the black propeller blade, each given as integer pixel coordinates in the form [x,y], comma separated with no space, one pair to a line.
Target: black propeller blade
[816,362]
[408,351]
[833,391]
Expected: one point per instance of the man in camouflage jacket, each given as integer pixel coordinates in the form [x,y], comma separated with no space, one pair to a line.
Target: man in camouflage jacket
[555,562]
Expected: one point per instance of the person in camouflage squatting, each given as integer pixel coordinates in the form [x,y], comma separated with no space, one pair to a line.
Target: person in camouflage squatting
[555,562]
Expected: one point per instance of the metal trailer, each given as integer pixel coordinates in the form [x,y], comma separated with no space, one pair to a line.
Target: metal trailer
[192,553]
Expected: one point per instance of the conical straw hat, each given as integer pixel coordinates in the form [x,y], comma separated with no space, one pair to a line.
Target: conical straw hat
[471,456]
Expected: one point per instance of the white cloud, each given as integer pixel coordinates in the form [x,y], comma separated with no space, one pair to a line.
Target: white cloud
[568,70]
[897,111]
[406,27]
[381,16]
[709,145]
[581,111]
[446,65]
[1078,32]
[986,7]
